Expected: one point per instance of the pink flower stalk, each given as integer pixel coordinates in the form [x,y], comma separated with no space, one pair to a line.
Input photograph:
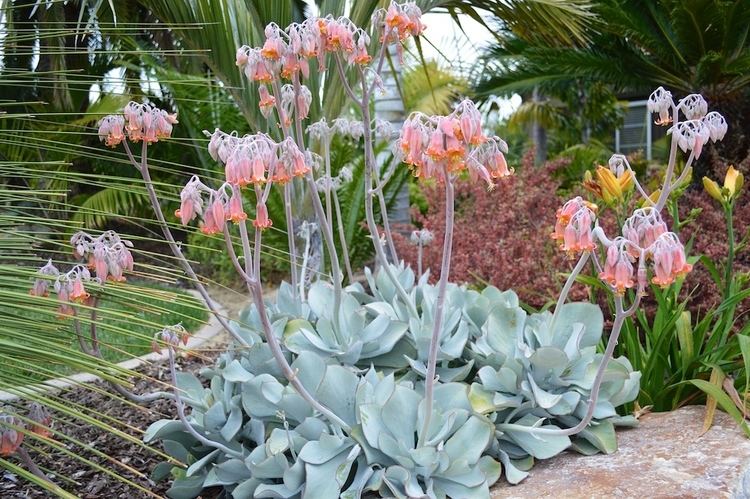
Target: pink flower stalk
[573,229]
[262,221]
[618,269]
[668,255]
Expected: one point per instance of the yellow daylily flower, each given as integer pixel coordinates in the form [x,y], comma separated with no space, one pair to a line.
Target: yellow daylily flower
[733,181]
[607,185]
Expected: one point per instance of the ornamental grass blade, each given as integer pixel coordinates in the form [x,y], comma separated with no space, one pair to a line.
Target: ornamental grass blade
[716,379]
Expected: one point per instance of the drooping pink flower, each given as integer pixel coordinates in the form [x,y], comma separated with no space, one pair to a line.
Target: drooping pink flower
[267,101]
[618,269]
[11,436]
[262,221]
[111,130]
[214,217]
[236,213]
[668,255]
[78,292]
[41,285]
[573,229]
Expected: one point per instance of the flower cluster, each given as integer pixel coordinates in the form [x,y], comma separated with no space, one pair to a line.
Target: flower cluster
[108,255]
[11,437]
[140,122]
[436,145]
[402,21]
[12,428]
[285,53]
[573,229]
[249,160]
[699,126]
[645,239]
[69,286]
[422,237]
[170,336]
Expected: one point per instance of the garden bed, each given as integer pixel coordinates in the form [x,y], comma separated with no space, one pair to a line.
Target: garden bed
[136,463]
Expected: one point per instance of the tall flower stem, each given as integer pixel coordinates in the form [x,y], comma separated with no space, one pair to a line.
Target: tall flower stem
[620,316]
[183,418]
[369,193]
[445,267]
[32,466]
[342,239]
[569,284]
[728,267]
[290,235]
[256,292]
[143,168]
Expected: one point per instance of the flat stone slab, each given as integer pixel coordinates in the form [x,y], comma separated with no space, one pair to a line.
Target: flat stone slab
[665,457]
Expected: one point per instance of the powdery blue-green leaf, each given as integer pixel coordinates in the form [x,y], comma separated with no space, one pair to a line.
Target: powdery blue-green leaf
[202,462]
[186,488]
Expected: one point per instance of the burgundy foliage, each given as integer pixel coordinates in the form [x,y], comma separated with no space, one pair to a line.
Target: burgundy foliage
[502,236]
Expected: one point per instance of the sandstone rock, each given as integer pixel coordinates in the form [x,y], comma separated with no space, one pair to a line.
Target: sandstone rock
[665,457]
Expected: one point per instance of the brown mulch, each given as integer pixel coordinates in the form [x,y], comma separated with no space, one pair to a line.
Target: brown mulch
[127,459]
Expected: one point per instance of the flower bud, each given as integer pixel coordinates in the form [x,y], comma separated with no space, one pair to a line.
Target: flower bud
[713,189]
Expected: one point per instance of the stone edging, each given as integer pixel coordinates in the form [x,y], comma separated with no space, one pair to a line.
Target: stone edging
[205,333]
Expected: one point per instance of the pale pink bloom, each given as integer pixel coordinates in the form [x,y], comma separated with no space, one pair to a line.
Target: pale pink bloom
[573,229]
[63,296]
[236,213]
[214,217]
[618,269]
[643,228]
[303,100]
[660,101]
[191,201]
[242,55]
[669,260]
[99,257]
[111,130]
[691,135]
[262,221]
[41,286]
[693,106]
[716,125]
[267,101]
[78,292]
[257,170]
[10,435]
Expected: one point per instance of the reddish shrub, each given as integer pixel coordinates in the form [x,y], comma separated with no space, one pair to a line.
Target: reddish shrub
[502,237]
